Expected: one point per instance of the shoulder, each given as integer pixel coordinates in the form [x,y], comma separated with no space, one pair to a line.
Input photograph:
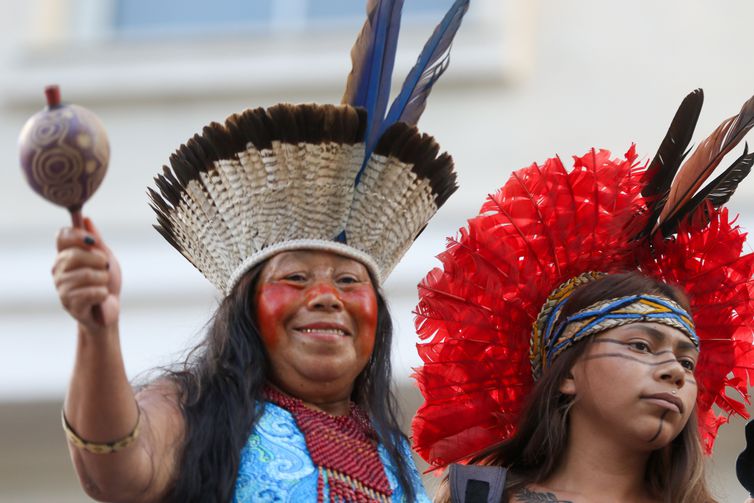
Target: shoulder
[160,400]
[534,493]
[391,471]
[275,464]
[161,416]
[473,482]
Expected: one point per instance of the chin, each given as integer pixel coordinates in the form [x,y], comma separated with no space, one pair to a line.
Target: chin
[326,373]
[664,438]
[323,375]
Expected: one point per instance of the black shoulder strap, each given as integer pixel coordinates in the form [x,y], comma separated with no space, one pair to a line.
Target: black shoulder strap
[476,484]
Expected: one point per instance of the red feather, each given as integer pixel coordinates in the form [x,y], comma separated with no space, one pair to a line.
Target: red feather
[543,227]
[475,374]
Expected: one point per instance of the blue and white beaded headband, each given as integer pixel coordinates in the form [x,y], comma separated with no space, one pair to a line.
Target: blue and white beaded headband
[555,335]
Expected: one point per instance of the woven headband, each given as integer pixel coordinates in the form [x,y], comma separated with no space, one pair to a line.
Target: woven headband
[618,312]
[554,335]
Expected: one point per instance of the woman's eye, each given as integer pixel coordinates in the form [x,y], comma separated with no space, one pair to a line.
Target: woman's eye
[348,280]
[297,277]
[639,346]
[688,364]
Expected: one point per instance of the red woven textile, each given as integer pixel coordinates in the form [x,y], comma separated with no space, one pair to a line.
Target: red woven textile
[344,449]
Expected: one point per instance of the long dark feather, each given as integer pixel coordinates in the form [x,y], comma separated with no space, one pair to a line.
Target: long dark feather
[717,192]
[361,55]
[432,62]
[705,159]
[723,187]
[373,57]
[670,154]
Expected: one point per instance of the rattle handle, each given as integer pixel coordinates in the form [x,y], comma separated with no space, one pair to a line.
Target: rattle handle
[77,219]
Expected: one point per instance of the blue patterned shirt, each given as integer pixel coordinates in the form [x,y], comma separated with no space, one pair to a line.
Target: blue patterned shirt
[276,466]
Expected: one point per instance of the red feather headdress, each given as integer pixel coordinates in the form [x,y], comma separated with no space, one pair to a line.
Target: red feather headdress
[548,224]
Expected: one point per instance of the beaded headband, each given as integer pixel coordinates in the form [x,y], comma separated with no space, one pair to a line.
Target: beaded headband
[556,335]
[486,335]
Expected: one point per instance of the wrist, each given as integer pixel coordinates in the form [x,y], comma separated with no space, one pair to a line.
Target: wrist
[97,335]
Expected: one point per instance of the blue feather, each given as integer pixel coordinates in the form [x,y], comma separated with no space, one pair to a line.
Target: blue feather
[383,60]
[373,57]
[432,62]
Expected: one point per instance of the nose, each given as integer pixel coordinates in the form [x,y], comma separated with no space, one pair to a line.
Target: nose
[323,296]
[671,372]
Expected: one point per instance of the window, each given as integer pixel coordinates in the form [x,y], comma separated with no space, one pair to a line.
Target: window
[181,17]
[145,49]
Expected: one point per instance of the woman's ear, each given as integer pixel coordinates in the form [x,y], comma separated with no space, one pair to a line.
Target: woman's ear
[568,384]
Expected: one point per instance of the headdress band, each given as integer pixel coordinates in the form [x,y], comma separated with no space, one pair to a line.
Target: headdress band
[305,244]
[552,335]
[616,313]
[548,316]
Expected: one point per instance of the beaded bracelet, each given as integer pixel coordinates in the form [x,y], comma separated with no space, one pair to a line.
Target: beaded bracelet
[101,448]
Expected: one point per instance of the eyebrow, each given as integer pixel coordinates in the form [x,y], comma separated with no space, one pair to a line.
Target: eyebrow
[660,336]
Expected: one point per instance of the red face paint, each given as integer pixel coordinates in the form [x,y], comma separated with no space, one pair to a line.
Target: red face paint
[362,304]
[317,316]
[273,300]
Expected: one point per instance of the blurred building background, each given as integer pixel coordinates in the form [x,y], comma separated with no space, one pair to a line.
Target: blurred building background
[528,79]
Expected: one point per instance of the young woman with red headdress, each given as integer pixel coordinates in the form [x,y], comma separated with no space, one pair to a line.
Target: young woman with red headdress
[296,213]
[585,324]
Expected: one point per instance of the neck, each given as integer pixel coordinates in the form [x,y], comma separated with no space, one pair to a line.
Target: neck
[597,466]
[335,404]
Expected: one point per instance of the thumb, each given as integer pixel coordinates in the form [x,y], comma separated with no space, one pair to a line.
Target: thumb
[92,229]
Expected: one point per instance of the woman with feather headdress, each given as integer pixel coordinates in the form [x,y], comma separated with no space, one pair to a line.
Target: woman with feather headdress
[584,325]
[297,214]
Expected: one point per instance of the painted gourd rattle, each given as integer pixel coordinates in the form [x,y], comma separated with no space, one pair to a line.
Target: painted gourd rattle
[64,153]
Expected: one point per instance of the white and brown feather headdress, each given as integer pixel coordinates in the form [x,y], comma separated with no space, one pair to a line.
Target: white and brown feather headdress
[345,178]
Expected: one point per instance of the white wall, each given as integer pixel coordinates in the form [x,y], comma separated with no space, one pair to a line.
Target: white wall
[528,79]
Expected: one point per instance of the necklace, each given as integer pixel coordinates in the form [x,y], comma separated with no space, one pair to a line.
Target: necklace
[344,449]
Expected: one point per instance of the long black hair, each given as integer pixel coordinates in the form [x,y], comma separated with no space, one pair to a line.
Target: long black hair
[221,385]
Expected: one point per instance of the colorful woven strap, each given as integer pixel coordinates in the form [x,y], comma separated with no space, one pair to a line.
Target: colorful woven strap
[613,313]
[548,316]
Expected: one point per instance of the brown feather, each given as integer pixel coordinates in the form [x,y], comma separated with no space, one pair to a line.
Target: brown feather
[669,156]
[360,49]
[705,159]
[717,193]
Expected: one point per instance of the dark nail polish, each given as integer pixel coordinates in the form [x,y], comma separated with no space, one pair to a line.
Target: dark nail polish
[89,240]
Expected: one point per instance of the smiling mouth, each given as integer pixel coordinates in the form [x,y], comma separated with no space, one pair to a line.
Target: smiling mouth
[667,401]
[326,331]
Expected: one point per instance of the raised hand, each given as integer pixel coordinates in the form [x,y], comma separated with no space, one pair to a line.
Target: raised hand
[87,277]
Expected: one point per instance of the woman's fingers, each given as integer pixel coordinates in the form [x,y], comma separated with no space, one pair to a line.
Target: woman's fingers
[81,277]
[69,237]
[81,289]
[79,301]
[94,233]
[112,262]
[86,276]
[70,259]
